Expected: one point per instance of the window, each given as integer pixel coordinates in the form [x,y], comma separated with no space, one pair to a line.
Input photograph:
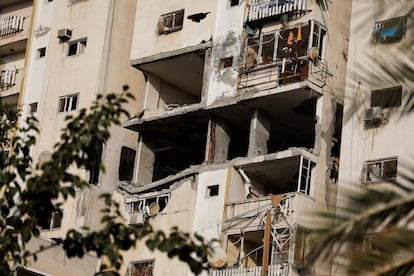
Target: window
[305,176]
[171,22]
[126,164]
[76,47]
[53,221]
[33,108]
[389,31]
[212,190]
[68,103]
[41,52]
[140,268]
[380,170]
[273,47]
[226,62]
[388,97]
[234,3]
[318,37]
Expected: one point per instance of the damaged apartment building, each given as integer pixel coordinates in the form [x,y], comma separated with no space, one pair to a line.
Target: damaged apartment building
[239,129]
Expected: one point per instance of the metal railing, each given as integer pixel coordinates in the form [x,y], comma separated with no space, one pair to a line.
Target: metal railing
[251,212]
[259,9]
[7,78]
[273,270]
[10,25]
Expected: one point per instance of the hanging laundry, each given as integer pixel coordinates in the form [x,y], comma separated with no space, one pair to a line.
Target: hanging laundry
[299,36]
[290,38]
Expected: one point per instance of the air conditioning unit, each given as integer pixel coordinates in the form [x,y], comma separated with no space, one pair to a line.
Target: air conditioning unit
[136,219]
[373,116]
[64,34]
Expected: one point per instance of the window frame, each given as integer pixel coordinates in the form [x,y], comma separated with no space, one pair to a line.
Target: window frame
[67,101]
[80,47]
[134,266]
[366,178]
[33,107]
[162,26]
[381,25]
[212,190]
[392,100]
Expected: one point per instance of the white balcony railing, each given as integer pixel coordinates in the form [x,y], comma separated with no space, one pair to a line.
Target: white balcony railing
[7,79]
[10,25]
[273,270]
[259,9]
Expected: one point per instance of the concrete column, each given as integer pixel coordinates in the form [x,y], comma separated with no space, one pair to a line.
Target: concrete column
[259,134]
[145,162]
[222,141]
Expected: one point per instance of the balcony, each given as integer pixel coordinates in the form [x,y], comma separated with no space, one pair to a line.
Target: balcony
[273,270]
[7,79]
[249,214]
[10,25]
[14,31]
[280,57]
[263,9]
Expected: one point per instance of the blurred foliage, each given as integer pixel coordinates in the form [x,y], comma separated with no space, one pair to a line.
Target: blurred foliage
[29,192]
[371,232]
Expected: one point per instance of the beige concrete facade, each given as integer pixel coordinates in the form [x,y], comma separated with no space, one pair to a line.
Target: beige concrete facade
[77,50]
[238,111]
[247,113]
[377,132]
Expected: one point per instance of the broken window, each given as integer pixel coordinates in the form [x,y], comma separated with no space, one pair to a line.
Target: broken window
[171,22]
[68,103]
[389,31]
[76,47]
[380,170]
[260,50]
[143,205]
[54,220]
[126,164]
[212,190]
[317,38]
[141,268]
[305,175]
[41,52]
[272,47]
[388,97]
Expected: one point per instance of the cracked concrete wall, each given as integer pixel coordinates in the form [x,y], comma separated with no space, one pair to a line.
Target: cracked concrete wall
[227,43]
[259,134]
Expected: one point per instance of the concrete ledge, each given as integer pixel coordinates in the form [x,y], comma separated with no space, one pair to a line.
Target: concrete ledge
[160,56]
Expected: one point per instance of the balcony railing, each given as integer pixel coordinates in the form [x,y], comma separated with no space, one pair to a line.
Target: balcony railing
[7,79]
[273,270]
[251,212]
[260,9]
[10,25]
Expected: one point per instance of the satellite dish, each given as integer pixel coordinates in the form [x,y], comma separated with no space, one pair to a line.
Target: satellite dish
[218,258]
[154,209]
[44,156]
